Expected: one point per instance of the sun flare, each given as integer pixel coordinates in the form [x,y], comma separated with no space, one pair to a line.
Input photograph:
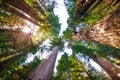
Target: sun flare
[26,30]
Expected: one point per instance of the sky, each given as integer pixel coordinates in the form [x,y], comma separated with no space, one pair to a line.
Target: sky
[61,12]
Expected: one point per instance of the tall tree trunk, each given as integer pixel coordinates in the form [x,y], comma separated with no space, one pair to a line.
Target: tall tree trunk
[92,8]
[81,7]
[88,4]
[20,4]
[105,31]
[5,62]
[84,68]
[45,70]
[41,7]
[111,70]
[96,4]
[10,30]
[11,10]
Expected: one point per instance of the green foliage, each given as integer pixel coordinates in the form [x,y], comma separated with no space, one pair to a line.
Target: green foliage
[54,23]
[34,48]
[31,3]
[63,63]
[10,20]
[57,41]
[89,48]
[1,2]
[51,5]
[91,16]
[20,72]
[12,43]
[67,34]
[69,68]
[18,44]
[48,29]
[6,74]
[63,66]
[14,46]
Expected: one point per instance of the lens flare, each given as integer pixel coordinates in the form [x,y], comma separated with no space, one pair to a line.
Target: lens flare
[26,30]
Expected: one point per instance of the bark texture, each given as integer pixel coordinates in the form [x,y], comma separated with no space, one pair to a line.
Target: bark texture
[105,31]
[13,11]
[21,5]
[111,70]
[45,70]
[41,6]
[82,6]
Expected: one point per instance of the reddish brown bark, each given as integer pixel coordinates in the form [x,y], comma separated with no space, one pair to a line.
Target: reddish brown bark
[105,31]
[87,10]
[82,7]
[41,6]
[41,10]
[13,11]
[111,70]
[20,4]
[45,70]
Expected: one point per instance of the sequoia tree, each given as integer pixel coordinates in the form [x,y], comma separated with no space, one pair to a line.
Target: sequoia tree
[45,70]
[106,31]
[110,69]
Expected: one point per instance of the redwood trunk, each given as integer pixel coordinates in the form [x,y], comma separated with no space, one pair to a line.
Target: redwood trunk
[41,10]
[95,5]
[81,7]
[105,31]
[6,63]
[13,11]
[88,4]
[20,4]
[92,8]
[45,70]
[111,70]
[9,30]
[41,7]
[42,4]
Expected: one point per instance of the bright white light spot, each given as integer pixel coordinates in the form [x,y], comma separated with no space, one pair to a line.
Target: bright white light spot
[69,51]
[95,65]
[30,58]
[26,30]
[118,74]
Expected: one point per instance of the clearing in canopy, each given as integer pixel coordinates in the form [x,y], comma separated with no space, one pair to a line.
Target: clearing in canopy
[59,39]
